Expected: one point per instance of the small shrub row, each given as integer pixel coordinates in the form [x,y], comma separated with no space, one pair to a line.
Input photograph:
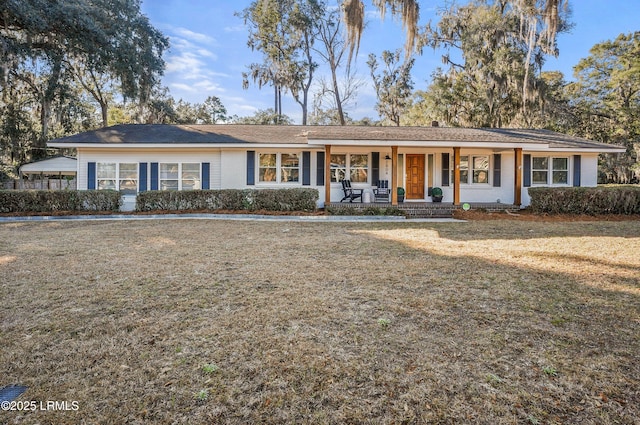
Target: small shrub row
[344,210]
[296,199]
[586,200]
[60,200]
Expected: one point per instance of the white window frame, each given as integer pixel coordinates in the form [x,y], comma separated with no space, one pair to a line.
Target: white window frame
[116,178]
[180,177]
[279,169]
[551,171]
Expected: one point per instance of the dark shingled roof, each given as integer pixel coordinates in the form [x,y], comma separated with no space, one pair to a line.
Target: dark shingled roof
[192,134]
[292,134]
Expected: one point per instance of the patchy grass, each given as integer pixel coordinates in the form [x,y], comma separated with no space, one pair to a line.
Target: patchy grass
[182,322]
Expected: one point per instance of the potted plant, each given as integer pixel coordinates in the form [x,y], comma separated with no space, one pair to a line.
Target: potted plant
[436,194]
[400,194]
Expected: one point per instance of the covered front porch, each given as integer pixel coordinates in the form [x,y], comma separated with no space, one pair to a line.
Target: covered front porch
[487,175]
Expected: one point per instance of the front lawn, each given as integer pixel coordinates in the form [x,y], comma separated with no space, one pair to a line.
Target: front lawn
[203,321]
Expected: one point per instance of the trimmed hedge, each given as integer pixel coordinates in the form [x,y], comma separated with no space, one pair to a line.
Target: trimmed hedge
[586,200]
[296,199]
[344,210]
[58,200]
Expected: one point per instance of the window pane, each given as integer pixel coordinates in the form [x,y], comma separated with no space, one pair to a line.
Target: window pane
[338,167]
[337,175]
[480,176]
[106,184]
[169,171]
[464,162]
[106,171]
[267,174]
[359,168]
[539,177]
[480,169]
[129,186]
[540,163]
[268,160]
[169,185]
[560,163]
[481,163]
[267,170]
[560,177]
[338,161]
[128,171]
[190,176]
[289,168]
[464,176]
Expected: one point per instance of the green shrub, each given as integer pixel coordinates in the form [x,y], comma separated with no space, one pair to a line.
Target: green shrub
[296,199]
[59,200]
[586,200]
[344,210]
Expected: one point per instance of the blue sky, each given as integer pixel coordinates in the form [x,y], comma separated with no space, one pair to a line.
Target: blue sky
[208,50]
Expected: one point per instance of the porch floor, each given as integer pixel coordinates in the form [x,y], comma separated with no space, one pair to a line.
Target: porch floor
[427,209]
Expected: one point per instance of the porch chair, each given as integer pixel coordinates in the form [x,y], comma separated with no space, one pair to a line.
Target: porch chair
[349,192]
[381,192]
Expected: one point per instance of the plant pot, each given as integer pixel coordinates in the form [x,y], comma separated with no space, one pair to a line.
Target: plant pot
[436,198]
[400,198]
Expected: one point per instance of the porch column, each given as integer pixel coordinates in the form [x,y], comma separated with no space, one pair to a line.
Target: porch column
[456,176]
[394,175]
[327,174]
[517,194]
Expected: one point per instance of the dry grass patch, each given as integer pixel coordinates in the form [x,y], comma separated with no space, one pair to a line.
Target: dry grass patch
[175,321]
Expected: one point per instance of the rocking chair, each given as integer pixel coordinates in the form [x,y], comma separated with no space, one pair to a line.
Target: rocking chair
[349,192]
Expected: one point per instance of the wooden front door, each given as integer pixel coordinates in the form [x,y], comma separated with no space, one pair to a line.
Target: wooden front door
[415,176]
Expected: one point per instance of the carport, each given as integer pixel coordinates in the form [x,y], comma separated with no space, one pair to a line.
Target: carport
[48,173]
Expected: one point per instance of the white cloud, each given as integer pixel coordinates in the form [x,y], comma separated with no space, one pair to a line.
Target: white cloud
[193,36]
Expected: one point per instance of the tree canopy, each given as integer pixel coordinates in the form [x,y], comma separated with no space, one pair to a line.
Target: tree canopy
[50,47]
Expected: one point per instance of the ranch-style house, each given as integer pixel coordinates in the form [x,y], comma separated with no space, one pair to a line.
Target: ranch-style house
[469,165]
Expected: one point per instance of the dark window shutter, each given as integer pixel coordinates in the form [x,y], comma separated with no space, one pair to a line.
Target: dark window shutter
[375,167]
[497,170]
[306,168]
[91,176]
[320,169]
[142,177]
[577,169]
[526,170]
[445,169]
[154,176]
[251,168]
[206,172]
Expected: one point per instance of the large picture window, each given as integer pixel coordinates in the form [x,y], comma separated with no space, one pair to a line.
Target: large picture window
[549,170]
